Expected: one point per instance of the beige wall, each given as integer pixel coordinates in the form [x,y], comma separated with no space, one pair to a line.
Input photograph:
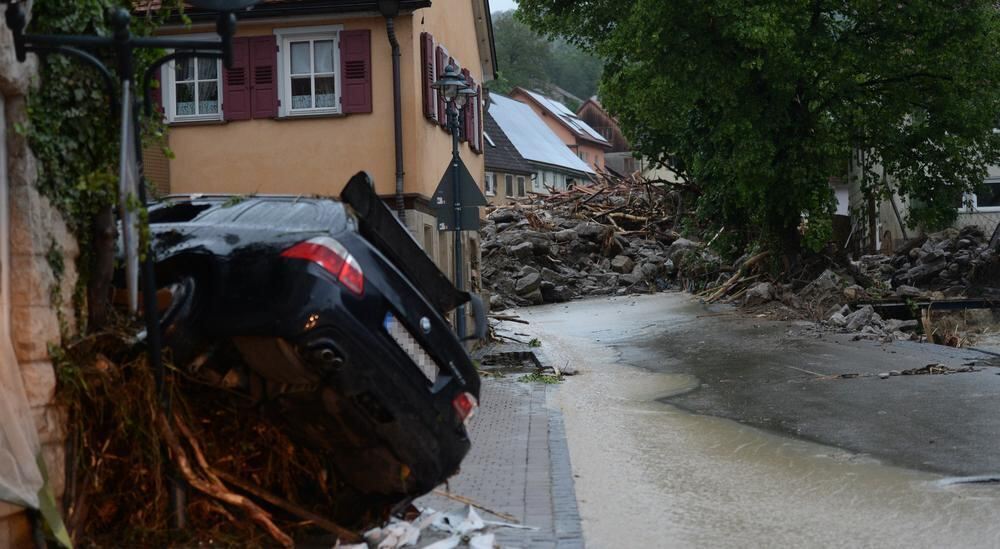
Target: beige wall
[501,198]
[318,155]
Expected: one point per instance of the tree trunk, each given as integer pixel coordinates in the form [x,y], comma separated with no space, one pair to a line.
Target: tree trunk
[102,267]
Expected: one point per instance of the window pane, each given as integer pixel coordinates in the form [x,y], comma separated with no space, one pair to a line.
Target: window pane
[520,186]
[302,93]
[324,56]
[324,92]
[300,58]
[509,185]
[989,198]
[207,69]
[185,99]
[208,98]
[185,69]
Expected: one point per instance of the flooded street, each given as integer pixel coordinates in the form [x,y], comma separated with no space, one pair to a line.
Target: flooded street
[650,474]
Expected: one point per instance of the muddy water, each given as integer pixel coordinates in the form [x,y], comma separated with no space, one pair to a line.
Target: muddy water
[650,475]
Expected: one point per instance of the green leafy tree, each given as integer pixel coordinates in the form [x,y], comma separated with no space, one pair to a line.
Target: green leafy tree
[758,104]
[528,59]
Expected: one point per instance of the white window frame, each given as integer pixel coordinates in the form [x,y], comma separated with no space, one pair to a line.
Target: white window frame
[490,185]
[970,204]
[298,34]
[168,88]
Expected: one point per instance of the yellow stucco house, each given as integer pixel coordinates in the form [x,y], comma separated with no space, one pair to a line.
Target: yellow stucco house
[314,98]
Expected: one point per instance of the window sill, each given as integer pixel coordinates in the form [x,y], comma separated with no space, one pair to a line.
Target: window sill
[311,115]
[206,122]
[983,210]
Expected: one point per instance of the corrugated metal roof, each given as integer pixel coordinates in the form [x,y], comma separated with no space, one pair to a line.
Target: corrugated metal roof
[501,155]
[567,117]
[534,140]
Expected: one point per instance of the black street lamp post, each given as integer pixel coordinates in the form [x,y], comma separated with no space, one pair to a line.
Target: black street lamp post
[123,45]
[456,92]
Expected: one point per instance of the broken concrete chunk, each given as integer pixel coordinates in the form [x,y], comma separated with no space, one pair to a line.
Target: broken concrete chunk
[521,251]
[860,318]
[622,264]
[528,284]
[908,291]
[759,294]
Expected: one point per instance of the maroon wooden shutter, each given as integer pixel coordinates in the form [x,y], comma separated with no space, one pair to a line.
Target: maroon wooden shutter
[356,71]
[467,110]
[479,119]
[156,94]
[475,136]
[264,93]
[236,83]
[440,58]
[429,75]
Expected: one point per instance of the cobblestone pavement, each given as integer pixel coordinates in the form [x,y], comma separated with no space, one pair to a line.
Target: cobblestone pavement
[519,464]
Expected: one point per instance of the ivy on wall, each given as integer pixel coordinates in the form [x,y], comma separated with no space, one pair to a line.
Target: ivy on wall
[76,139]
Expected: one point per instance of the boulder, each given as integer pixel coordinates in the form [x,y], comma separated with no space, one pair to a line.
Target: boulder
[591,231]
[526,270]
[864,316]
[565,235]
[527,284]
[550,275]
[521,251]
[504,215]
[908,291]
[759,294]
[680,245]
[622,264]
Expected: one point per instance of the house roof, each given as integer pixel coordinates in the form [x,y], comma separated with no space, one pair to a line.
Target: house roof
[567,118]
[501,155]
[282,8]
[531,137]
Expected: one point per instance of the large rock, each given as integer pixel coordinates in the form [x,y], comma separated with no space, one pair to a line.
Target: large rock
[863,317]
[591,231]
[504,215]
[622,264]
[925,271]
[527,284]
[908,291]
[759,294]
[565,235]
[523,250]
[680,245]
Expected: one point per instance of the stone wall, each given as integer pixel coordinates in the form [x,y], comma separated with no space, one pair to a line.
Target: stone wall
[40,301]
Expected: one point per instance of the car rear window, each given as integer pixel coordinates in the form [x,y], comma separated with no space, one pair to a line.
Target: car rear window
[286,215]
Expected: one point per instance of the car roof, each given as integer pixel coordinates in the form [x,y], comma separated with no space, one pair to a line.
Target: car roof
[283,212]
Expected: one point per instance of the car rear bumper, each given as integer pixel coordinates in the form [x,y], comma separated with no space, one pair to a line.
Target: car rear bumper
[337,376]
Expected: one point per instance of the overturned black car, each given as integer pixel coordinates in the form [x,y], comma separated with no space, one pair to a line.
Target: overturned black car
[339,321]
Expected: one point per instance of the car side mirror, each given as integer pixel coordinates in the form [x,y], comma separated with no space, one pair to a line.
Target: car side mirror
[479,314]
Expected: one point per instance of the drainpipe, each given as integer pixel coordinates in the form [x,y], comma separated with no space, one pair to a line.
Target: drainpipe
[390,9]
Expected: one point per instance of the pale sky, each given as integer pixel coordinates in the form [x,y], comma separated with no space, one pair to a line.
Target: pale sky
[502,5]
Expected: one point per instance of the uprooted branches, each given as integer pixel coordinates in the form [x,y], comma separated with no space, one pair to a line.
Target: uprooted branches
[249,482]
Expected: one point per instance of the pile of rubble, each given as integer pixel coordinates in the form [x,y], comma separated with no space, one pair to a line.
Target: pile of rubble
[619,239]
[587,241]
[956,263]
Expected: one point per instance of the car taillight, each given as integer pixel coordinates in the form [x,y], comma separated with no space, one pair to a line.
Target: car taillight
[332,256]
[465,406]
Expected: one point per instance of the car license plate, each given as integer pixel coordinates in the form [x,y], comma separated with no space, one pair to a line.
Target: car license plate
[411,347]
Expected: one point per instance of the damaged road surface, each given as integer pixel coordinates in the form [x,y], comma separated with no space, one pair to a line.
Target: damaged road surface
[328,318]
[714,429]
